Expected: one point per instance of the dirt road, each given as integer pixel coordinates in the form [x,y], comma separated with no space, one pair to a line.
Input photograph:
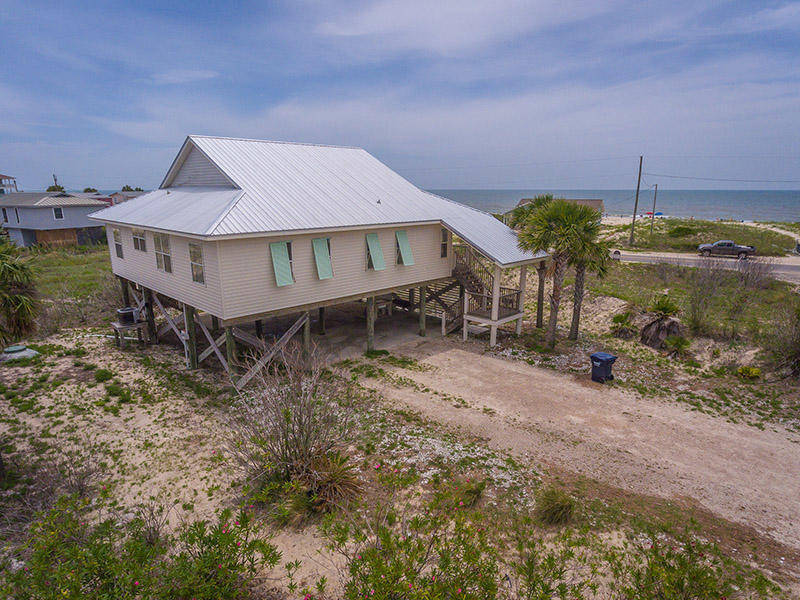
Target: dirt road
[736,471]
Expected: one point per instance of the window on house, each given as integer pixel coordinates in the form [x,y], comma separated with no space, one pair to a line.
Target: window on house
[445,237]
[161,248]
[403,249]
[375,260]
[58,213]
[196,262]
[139,240]
[281,253]
[5,216]
[16,213]
[117,242]
[322,257]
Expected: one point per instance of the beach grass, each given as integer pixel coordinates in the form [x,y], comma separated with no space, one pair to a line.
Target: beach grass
[641,284]
[684,235]
[77,271]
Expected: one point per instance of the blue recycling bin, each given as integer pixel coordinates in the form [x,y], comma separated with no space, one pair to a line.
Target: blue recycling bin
[601,366]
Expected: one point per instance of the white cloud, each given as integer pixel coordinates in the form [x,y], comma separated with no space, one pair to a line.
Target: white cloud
[182,76]
[451,26]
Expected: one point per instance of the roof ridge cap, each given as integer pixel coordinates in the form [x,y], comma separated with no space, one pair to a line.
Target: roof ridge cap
[288,143]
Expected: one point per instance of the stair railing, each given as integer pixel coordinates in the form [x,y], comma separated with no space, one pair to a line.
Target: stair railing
[469,263]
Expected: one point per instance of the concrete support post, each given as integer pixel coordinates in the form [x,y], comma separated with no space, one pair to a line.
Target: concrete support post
[498,272]
[321,320]
[150,315]
[126,294]
[540,270]
[423,305]
[523,283]
[189,313]
[370,324]
[231,350]
[307,333]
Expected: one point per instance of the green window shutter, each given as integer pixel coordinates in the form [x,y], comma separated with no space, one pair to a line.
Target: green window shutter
[280,263]
[375,252]
[405,248]
[322,257]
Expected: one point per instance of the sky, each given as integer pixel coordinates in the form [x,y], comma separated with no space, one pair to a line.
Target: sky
[451,94]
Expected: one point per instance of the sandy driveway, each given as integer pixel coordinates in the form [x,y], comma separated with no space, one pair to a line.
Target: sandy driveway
[738,472]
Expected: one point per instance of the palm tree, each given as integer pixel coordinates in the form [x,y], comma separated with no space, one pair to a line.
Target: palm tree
[522,213]
[589,254]
[555,228]
[17,293]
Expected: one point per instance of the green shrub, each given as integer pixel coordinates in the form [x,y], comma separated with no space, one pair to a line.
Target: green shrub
[656,566]
[664,307]
[622,325]
[554,506]
[677,344]
[69,556]
[748,373]
[432,555]
[101,375]
[680,231]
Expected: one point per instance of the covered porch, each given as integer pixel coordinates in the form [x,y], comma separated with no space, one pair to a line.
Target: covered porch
[487,303]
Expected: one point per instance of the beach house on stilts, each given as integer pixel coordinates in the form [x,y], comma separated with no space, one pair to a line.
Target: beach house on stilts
[241,231]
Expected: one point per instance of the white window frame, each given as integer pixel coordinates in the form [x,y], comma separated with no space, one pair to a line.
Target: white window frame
[60,212]
[116,234]
[163,257]
[445,243]
[139,240]
[199,265]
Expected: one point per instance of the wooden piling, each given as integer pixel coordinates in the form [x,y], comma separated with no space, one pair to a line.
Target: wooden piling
[232,354]
[370,323]
[423,294]
[307,334]
[126,294]
[150,316]
[321,321]
[189,314]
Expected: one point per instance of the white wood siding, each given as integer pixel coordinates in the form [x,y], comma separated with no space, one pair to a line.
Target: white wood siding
[248,279]
[140,267]
[198,170]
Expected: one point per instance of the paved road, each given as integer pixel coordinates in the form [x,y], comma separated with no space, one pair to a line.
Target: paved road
[785,268]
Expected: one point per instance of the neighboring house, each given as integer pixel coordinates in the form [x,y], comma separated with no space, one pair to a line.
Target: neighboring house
[594,203]
[119,197]
[50,218]
[8,184]
[247,229]
[93,196]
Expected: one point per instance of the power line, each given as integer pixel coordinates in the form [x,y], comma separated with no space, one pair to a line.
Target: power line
[724,179]
[522,164]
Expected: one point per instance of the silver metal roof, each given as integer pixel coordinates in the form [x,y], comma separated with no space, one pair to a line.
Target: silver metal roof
[35,199]
[282,186]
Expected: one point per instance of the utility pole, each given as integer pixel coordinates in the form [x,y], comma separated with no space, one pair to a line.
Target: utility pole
[636,204]
[653,216]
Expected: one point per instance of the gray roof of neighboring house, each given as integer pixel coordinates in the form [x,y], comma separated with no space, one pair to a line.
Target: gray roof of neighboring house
[128,194]
[43,199]
[287,187]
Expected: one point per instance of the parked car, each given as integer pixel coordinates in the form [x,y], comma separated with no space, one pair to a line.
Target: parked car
[726,248]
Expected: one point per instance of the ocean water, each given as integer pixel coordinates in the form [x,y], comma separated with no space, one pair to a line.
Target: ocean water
[744,205]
